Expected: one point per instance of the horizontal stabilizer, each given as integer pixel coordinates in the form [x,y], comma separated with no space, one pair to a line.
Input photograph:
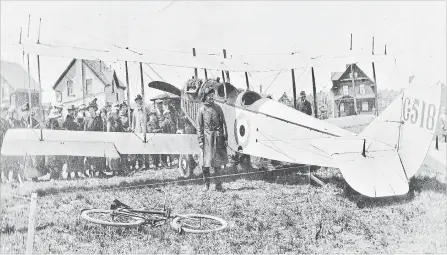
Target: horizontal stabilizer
[379,174]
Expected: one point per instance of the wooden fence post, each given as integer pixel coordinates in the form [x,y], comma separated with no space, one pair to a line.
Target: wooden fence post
[31,224]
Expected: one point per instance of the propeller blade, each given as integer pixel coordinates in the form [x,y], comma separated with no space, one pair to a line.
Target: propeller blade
[163,86]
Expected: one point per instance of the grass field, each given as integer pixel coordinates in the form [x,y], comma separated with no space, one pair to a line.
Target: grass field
[266,214]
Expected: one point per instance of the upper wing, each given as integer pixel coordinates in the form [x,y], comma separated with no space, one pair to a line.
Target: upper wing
[208,62]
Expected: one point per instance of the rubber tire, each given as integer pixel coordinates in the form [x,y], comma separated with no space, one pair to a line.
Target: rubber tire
[177,226]
[85,216]
[184,166]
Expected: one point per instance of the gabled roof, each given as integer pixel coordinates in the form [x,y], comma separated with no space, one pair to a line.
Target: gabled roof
[100,69]
[16,76]
[284,97]
[339,75]
[64,73]
[336,75]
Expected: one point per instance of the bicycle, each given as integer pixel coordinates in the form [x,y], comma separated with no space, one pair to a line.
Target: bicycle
[122,215]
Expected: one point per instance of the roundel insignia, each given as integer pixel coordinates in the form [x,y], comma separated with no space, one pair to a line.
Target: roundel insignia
[241,130]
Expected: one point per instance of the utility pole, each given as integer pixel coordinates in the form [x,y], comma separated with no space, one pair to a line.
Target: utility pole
[29,80]
[128,93]
[315,94]
[144,102]
[226,72]
[376,91]
[353,83]
[223,76]
[294,88]
[246,81]
[38,74]
[350,47]
[196,75]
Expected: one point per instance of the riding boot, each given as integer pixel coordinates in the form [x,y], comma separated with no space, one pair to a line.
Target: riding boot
[218,179]
[206,178]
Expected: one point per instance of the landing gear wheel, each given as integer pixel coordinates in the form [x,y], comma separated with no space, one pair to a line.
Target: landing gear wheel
[111,218]
[198,223]
[186,165]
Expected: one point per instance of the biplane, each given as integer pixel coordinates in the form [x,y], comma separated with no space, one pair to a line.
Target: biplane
[377,162]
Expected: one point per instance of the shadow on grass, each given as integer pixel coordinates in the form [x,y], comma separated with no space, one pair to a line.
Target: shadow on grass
[230,175]
[416,185]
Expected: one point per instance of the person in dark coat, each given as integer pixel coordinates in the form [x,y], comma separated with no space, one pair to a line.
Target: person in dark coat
[80,116]
[154,127]
[212,135]
[124,116]
[114,124]
[54,163]
[94,123]
[12,163]
[28,116]
[304,105]
[74,163]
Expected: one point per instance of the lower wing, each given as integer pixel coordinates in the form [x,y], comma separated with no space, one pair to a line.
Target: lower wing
[19,142]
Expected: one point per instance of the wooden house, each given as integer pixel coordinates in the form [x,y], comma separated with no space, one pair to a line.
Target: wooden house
[348,87]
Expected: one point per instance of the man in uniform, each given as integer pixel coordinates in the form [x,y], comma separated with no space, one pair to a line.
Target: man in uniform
[304,105]
[124,117]
[73,163]
[138,125]
[27,116]
[212,134]
[154,127]
[80,116]
[12,164]
[93,123]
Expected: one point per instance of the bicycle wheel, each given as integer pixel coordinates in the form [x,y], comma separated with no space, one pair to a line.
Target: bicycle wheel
[111,218]
[198,223]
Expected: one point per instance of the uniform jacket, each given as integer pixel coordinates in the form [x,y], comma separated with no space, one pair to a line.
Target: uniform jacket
[70,124]
[153,127]
[124,118]
[114,125]
[168,124]
[305,107]
[212,134]
[93,124]
[138,120]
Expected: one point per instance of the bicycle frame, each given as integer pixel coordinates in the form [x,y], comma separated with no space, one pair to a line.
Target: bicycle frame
[164,215]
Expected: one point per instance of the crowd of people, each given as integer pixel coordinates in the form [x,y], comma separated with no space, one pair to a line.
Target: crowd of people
[162,118]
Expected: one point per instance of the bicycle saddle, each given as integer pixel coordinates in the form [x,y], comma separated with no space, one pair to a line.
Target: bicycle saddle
[118,204]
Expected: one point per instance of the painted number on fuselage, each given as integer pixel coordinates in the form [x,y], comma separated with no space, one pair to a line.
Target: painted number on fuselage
[420,113]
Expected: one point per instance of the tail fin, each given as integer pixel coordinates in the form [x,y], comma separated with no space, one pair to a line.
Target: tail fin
[408,124]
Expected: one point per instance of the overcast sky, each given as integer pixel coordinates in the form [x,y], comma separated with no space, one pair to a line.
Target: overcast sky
[415,32]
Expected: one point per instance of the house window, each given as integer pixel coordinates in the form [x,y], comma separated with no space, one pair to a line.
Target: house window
[362,89]
[88,86]
[365,106]
[58,96]
[342,107]
[345,90]
[70,88]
